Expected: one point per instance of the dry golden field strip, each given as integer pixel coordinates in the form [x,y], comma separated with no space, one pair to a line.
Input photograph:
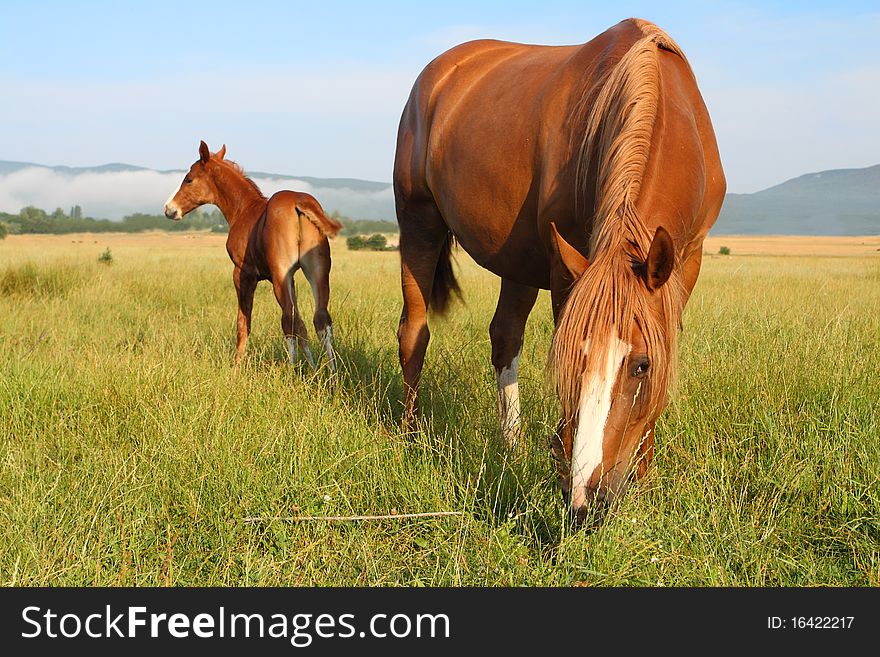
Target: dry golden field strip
[793,245]
[769,245]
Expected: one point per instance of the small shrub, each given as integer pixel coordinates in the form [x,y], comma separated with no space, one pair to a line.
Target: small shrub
[356,243]
[376,242]
[3,231]
[106,257]
[724,250]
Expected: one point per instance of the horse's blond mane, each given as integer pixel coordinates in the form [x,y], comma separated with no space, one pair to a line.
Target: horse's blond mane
[621,109]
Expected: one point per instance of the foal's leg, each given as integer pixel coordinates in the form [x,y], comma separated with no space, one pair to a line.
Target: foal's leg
[316,267]
[244,289]
[506,332]
[291,323]
[422,236]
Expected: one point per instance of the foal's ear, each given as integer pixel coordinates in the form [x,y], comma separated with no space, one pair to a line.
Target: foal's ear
[566,255]
[661,259]
[204,153]
[221,153]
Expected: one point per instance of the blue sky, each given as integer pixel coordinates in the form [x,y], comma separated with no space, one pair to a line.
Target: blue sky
[317,88]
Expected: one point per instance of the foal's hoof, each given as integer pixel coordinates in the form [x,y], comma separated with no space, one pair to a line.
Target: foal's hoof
[512,438]
[409,426]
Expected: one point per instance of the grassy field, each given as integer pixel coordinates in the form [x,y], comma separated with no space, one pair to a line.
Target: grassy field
[132,452]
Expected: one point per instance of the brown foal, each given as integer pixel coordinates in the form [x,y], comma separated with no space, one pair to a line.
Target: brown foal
[269,239]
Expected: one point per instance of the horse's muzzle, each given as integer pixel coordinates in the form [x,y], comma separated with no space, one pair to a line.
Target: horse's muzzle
[172,213]
[591,512]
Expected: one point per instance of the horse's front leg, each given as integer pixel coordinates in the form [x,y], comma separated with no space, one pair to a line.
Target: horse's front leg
[245,285]
[506,333]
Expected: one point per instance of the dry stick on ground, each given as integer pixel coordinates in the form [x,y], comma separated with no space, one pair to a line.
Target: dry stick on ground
[390,516]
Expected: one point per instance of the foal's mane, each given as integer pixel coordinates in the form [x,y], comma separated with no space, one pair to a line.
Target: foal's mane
[235,168]
[620,108]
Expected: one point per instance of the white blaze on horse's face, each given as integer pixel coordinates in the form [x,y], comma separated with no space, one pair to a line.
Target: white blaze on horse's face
[195,190]
[172,211]
[595,407]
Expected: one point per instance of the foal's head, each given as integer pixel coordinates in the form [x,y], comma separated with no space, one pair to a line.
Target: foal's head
[613,355]
[198,186]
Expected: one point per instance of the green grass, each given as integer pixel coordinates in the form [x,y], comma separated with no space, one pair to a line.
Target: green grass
[132,452]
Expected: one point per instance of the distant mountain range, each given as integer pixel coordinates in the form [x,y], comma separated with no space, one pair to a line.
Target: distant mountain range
[7,167]
[835,202]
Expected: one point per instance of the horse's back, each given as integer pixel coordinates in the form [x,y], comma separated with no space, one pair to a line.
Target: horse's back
[294,225]
[288,199]
[482,121]
[491,133]
[468,81]
[304,207]
[491,87]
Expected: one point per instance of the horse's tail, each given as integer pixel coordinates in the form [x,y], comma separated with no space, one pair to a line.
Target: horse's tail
[444,279]
[312,210]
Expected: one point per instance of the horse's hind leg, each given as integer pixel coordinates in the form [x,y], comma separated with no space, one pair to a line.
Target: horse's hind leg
[316,267]
[245,285]
[506,332]
[423,235]
[291,323]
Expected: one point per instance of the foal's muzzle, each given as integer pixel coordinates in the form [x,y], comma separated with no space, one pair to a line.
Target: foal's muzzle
[172,213]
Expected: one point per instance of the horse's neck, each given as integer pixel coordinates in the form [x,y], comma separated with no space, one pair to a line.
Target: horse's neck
[237,200]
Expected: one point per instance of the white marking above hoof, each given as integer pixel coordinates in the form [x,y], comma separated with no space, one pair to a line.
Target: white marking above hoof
[508,402]
[308,354]
[326,337]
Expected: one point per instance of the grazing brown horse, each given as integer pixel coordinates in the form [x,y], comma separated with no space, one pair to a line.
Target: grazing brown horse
[269,239]
[588,170]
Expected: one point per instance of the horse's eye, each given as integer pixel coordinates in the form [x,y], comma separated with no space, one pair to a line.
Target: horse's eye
[187,180]
[640,367]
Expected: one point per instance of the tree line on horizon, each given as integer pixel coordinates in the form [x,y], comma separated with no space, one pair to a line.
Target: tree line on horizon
[32,220]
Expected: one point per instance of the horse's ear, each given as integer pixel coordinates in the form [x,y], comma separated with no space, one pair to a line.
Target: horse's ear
[221,153]
[566,255]
[204,153]
[661,259]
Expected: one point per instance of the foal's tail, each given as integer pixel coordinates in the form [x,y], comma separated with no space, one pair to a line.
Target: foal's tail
[444,279]
[312,210]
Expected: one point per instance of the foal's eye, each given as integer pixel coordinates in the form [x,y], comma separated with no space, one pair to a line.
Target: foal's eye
[640,367]
[187,181]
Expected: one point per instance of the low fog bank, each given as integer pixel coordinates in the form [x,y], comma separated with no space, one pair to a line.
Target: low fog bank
[113,195]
